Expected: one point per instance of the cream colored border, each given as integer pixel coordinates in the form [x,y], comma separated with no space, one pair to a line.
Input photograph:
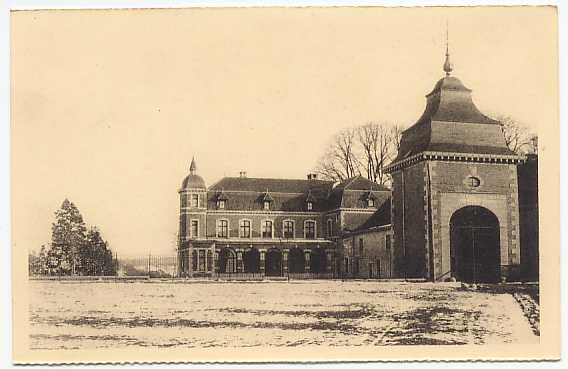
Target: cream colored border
[548,348]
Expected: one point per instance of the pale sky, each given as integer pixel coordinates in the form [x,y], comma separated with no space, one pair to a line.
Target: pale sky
[108,107]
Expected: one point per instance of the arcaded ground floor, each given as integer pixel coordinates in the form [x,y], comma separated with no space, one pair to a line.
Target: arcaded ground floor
[193,313]
[311,260]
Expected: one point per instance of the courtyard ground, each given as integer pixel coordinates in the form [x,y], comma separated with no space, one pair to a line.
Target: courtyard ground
[73,315]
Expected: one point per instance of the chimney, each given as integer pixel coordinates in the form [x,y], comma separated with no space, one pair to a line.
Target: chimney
[242,174]
[312,176]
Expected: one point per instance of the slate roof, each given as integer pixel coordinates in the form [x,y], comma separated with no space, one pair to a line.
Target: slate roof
[360,183]
[284,194]
[468,131]
[193,181]
[353,193]
[380,218]
[292,194]
[271,184]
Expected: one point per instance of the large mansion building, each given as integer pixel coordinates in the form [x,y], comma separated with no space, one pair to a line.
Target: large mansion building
[462,206]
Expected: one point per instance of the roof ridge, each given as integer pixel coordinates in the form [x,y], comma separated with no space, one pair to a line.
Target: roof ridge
[352,179]
[281,179]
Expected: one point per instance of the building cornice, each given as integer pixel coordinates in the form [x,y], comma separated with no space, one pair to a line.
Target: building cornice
[454,156]
[264,212]
[278,212]
[258,240]
[189,189]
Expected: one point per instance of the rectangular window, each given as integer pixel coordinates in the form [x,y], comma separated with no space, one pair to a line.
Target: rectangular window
[388,241]
[194,229]
[245,228]
[288,229]
[329,228]
[221,204]
[310,229]
[267,229]
[223,228]
[266,205]
[194,200]
[361,247]
[202,260]
[194,260]
[209,261]
[310,206]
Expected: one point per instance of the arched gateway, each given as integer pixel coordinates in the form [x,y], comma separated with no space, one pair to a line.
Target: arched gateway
[475,245]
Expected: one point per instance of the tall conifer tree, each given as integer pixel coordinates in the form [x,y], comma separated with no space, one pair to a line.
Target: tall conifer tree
[68,239]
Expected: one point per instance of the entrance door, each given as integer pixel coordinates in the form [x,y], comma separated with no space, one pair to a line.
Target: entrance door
[318,260]
[227,261]
[273,263]
[474,245]
[251,259]
[296,261]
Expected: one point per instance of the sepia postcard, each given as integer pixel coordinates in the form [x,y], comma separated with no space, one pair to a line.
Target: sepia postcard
[285,184]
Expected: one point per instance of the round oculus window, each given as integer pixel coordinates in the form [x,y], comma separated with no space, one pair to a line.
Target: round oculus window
[473,182]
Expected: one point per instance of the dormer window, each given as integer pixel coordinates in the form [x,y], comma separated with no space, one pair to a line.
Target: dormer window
[266,199]
[370,199]
[310,201]
[221,200]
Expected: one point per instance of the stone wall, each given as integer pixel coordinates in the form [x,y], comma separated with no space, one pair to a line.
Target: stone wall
[369,254]
[497,192]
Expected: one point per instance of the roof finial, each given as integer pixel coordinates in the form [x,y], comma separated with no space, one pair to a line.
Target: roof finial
[447,64]
[192,166]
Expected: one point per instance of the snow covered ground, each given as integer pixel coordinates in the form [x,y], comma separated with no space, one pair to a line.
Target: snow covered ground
[73,315]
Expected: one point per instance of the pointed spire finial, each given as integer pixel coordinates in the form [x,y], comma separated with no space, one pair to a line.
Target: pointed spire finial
[447,64]
[192,166]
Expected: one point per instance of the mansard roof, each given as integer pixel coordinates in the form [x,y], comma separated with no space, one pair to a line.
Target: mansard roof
[272,185]
[284,194]
[292,194]
[353,193]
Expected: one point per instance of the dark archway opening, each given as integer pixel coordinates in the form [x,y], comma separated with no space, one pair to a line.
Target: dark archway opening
[475,245]
[251,260]
[227,261]
[296,261]
[318,260]
[273,263]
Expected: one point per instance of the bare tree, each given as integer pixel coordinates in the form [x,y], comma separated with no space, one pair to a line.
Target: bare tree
[396,136]
[518,138]
[340,161]
[367,148]
[378,149]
